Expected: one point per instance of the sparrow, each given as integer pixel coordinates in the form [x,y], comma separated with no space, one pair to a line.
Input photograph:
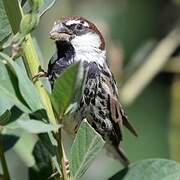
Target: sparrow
[78,39]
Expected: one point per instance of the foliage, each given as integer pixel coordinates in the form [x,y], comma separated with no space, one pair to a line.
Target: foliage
[86,145]
[20,92]
[65,88]
[4,25]
[25,105]
[150,169]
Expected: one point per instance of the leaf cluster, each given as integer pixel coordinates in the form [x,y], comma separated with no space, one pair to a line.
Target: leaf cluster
[24,116]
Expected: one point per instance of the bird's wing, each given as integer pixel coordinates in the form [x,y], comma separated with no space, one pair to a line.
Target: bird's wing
[101,101]
[117,113]
[55,67]
[101,108]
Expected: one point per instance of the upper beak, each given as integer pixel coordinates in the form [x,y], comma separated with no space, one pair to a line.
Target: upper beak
[60,32]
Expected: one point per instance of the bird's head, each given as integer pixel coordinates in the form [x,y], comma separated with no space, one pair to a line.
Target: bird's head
[78,32]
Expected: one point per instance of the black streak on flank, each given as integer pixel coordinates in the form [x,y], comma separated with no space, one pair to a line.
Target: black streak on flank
[117,113]
[87,100]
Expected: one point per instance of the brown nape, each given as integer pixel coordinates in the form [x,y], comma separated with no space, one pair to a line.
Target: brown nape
[91,26]
[94,28]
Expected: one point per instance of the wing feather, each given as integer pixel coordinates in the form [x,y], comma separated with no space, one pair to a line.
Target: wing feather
[103,110]
[117,111]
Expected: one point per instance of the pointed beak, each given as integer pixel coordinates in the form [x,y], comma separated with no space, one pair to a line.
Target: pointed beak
[60,32]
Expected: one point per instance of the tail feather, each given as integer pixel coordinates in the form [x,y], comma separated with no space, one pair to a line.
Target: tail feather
[122,157]
[128,125]
[119,154]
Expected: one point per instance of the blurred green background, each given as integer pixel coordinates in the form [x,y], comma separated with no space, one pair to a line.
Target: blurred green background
[132,31]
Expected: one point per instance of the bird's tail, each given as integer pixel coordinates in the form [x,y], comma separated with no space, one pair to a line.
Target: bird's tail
[119,154]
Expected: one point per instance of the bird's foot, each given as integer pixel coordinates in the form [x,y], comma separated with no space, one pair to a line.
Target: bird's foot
[53,175]
[67,166]
[66,163]
[40,74]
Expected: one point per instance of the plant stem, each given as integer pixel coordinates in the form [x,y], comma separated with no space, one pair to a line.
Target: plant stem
[31,60]
[61,155]
[32,63]
[3,161]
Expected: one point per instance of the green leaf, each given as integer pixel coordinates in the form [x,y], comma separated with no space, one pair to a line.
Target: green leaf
[7,98]
[4,104]
[5,29]
[86,146]
[65,88]
[26,87]
[9,141]
[5,117]
[28,23]
[46,6]
[34,126]
[151,169]
[35,4]
[22,2]
[56,164]
[43,168]
[13,99]
[24,147]
[49,144]
[9,91]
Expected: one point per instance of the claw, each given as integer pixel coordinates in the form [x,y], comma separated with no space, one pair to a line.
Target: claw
[40,74]
[66,163]
[67,167]
[53,175]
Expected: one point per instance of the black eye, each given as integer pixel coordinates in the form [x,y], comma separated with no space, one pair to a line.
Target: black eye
[79,26]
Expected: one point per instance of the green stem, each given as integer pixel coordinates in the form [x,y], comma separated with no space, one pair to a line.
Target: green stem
[61,155]
[3,161]
[31,60]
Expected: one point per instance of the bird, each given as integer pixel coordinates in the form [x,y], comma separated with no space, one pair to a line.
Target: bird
[78,39]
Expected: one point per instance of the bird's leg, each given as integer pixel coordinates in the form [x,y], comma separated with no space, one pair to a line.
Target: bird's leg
[67,167]
[53,175]
[56,173]
[40,74]
[66,164]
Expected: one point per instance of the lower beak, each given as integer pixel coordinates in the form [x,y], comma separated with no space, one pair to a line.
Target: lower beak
[60,36]
[60,33]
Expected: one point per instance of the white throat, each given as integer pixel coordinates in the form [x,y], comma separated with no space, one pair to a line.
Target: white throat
[87,48]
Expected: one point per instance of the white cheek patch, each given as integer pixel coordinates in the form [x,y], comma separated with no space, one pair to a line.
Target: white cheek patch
[86,42]
[71,22]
